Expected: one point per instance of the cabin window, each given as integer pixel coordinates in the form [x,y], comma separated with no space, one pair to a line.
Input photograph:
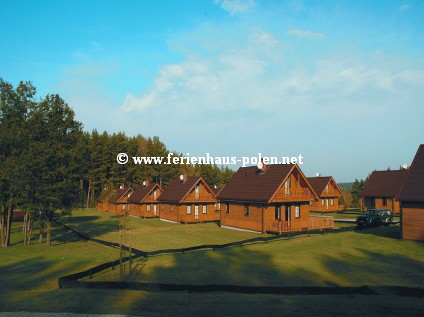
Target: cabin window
[326,188]
[148,207]
[123,206]
[332,201]
[227,208]
[129,194]
[172,207]
[278,212]
[205,209]
[188,209]
[322,202]
[384,201]
[297,211]
[155,194]
[219,206]
[287,185]
[246,209]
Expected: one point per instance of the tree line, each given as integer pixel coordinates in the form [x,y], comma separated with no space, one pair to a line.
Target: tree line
[49,164]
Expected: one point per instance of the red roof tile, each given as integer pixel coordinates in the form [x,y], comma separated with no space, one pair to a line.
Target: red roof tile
[319,183]
[251,185]
[142,191]
[413,189]
[384,183]
[120,193]
[177,190]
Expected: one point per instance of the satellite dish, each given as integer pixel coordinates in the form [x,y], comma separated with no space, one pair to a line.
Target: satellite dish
[405,166]
[261,165]
[181,177]
[144,183]
[317,174]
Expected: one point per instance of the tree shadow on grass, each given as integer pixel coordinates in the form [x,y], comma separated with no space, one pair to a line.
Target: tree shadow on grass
[392,231]
[33,273]
[90,226]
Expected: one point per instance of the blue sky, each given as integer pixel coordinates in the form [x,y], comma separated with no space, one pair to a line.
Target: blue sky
[340,82]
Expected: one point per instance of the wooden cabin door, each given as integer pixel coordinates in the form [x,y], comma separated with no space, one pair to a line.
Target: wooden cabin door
[154,209]
[288,217]
[326,202]
[196,211]
[277,212]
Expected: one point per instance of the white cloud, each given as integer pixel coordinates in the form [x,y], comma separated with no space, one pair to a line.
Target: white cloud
[405,7]
[306,33]
[251,77]
[235,6]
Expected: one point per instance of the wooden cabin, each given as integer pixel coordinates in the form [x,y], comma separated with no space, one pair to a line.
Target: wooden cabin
[381,190]
[144,201]
[188,200]
[275,198]
[121,204]
[104,199]
[328,192]
[411,199]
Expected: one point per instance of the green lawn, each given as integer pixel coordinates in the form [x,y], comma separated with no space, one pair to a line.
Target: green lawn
[369,257]
[153,234]
[28,274]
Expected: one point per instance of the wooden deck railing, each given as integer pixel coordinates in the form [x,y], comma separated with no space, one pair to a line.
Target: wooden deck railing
[321,223]
[315,223]
[288,193]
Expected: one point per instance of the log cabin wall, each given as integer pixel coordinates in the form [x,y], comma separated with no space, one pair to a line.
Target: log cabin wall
[381,203]
[413,221]
[259,217]
[170,211]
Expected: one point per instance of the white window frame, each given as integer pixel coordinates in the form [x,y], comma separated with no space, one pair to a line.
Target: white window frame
[188,209]
[332,201]
[205,209]
[297,211]
[148,207]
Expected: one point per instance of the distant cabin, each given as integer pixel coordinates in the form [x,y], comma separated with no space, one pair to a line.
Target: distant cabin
[411,199]
[381,190]
[188,200]
[328,193]
[120,204]
[276,198]
[144,200]
[105,198]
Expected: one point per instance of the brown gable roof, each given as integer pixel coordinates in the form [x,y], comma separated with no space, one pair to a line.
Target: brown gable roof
[319,183]
[121,193]
[413,189]
[216,190]
[141,192]
[177,190]
[384,183]
[249,184]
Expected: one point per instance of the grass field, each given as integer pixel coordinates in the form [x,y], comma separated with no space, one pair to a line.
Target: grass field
[153,234]
[28,274]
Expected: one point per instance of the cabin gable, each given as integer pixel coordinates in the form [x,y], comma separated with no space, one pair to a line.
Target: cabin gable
[294,187]
[199,192]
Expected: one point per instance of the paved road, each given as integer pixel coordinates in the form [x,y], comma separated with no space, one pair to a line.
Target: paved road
[31,314]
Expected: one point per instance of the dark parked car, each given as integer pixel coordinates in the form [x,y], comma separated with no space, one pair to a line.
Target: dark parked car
[375,218]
